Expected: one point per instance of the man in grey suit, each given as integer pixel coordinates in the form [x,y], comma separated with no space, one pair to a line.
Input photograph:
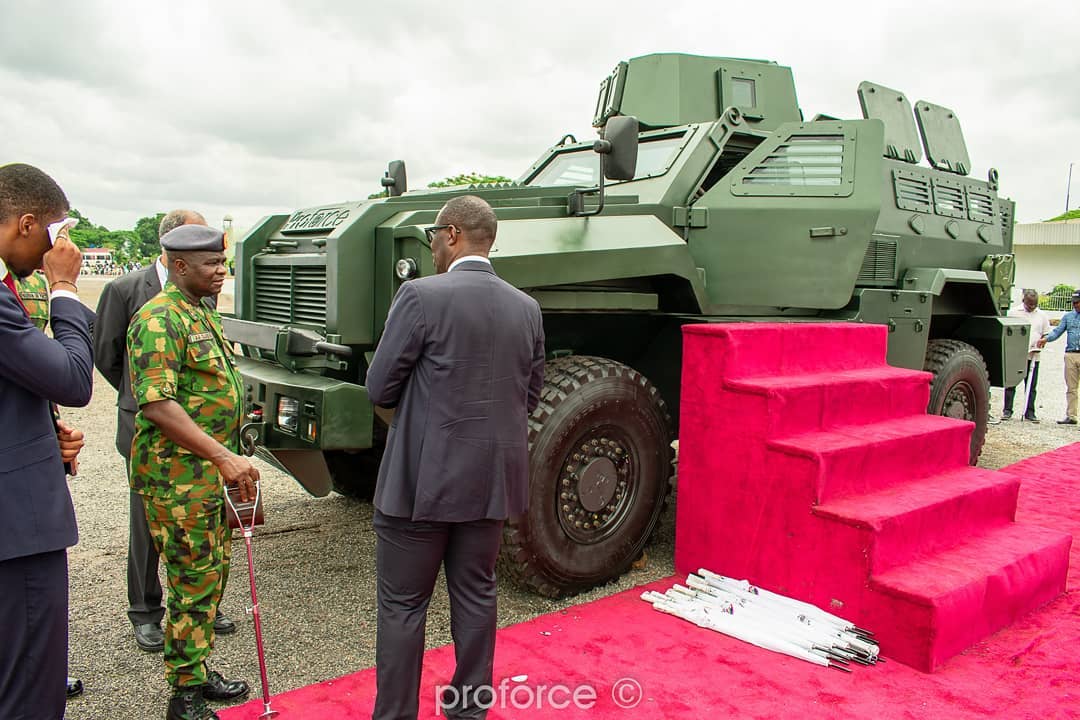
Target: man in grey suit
[37,518]
[119,301]
[462,360]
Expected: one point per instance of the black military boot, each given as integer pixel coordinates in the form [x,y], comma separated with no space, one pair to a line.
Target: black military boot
[218,688]
[187,703]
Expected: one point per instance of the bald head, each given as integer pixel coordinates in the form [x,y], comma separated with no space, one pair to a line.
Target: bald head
[177,218]
[474,217]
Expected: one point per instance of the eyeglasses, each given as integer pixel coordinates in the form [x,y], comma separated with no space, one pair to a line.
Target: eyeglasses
[429,232]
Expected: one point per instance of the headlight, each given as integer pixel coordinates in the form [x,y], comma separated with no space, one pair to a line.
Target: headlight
[288,413]
[406,269]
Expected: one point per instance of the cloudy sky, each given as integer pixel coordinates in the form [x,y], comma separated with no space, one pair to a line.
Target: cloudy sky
[250,108]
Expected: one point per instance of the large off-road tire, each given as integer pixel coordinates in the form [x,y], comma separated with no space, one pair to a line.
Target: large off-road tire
[600,473]
[353,473]
[961,386]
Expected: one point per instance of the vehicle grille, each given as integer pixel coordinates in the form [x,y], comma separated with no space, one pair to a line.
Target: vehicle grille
[290,294]
[879,263]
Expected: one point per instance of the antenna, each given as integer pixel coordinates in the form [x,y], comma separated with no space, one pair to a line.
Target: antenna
[1068,187]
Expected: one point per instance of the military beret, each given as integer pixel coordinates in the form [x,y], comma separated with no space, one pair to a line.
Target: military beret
[193,238]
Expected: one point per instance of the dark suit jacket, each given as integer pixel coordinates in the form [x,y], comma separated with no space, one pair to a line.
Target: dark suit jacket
[119,301]
[36,514]
[462,359]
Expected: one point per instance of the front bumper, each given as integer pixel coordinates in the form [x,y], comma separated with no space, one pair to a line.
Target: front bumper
[332,414]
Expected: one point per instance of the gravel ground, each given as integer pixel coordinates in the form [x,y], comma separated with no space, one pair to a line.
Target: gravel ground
[315,565]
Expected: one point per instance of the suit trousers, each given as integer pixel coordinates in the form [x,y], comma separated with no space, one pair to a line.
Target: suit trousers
[1031,381]
[408,556]
[34,636]
[143,584]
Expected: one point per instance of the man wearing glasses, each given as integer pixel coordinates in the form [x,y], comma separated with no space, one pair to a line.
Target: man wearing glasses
[462,360]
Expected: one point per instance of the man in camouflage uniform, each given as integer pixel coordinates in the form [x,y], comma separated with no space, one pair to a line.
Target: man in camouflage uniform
[189,392]
[34,293]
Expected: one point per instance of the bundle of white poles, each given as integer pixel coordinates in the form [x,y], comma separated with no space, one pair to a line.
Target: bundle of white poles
[768,620]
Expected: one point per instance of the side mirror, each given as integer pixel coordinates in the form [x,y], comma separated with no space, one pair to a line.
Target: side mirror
[394,180]
[620,144]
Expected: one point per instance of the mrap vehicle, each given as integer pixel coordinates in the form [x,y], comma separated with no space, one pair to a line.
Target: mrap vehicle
[709,198]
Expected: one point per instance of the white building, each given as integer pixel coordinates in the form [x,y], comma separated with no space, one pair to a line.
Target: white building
[1047,254]
[95,259]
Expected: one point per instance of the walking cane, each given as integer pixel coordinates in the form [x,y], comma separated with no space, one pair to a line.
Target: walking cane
[247,529]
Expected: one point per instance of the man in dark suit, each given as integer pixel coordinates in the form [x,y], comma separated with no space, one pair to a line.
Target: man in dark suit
[37,519]
[462,360]
[119,301]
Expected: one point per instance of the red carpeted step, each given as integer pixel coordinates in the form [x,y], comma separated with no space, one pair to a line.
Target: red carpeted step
[918,518]
[930,609]
[755,349]
[817,401]
[865,458]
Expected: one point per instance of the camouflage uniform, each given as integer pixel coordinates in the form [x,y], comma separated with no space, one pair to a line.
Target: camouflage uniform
[34,293]
[177,351]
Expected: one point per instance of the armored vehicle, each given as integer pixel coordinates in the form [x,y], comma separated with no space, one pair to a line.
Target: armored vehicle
[709,198]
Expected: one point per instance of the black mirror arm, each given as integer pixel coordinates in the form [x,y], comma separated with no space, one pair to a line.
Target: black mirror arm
[576,201]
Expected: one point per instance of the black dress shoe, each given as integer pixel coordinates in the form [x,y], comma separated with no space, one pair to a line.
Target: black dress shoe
[223,625]
[74,687]
[1066,421]
[149,637]
[1031,418]
[187,703]
[218,688]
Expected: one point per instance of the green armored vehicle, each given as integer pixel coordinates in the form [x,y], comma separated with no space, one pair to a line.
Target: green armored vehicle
[709,198]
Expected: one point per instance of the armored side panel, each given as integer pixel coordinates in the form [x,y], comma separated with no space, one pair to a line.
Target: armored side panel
[943,138]
[892,108]
[671,89]
[790,224]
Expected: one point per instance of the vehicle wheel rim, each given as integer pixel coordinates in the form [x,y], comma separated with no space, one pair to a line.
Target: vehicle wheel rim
[597,486]
[960,402]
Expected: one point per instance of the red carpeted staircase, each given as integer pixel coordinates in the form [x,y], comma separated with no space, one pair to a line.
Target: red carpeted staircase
[810,467]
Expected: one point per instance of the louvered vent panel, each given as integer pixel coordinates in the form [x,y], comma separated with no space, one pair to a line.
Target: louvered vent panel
[286,294]
[309,295]
[815,160]
[912,192]
[949,199]
[980,206]
[879,263]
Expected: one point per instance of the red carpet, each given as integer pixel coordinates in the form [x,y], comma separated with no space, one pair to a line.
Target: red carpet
[1028,670]
[810,467]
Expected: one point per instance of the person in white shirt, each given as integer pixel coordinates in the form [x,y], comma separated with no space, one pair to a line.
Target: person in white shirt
[1040,328]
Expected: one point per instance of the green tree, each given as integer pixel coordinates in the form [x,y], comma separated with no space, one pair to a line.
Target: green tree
[1071,215]
[146,237]
[459,180]
[472,178]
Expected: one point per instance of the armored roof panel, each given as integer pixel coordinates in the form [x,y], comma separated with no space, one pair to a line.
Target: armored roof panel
[942,138]
[892,108]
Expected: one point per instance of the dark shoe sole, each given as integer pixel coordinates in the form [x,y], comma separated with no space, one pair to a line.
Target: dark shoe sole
[150,648]
[212,697]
